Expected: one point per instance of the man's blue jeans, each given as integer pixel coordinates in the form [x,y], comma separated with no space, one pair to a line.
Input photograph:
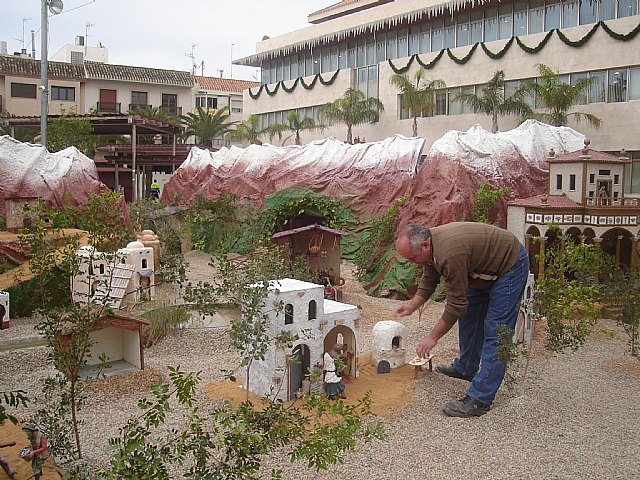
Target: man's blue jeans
[490,311]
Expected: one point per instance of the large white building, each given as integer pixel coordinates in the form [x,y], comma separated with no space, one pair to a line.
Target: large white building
[362,43]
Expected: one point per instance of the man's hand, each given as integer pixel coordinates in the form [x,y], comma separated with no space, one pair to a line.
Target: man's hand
[404,310]
[425,346]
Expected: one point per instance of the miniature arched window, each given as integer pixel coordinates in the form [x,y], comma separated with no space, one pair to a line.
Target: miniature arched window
[144,263]
[395,343]
[313,308]
[90,269]
[102,269]
[288,314]
[340,339]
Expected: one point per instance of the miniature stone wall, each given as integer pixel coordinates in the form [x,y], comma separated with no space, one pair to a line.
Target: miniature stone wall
[16,216]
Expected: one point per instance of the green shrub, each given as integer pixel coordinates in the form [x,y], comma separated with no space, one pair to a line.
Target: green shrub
[161,321]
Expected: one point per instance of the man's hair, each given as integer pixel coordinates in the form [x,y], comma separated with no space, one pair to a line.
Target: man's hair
[416,234]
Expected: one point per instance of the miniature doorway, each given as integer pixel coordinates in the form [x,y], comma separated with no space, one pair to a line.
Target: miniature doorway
[344,335]
[604,192]
[299,365]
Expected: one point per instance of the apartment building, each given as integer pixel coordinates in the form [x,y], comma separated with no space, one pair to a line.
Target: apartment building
[362,43]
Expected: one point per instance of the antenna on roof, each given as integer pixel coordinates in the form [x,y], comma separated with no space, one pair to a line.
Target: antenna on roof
[202,68]
[193,58]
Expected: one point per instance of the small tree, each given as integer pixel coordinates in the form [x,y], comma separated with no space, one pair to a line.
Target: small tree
[297,124]
[492,100]
[418,95]
[67,328]
[71,131]
[354,108]
[250,131]
[207,126]
[485,199]
[567,293]
[559,97]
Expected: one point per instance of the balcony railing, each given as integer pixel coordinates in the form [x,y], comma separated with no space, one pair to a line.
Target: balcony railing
[612,202]
[108,107]
[139,106]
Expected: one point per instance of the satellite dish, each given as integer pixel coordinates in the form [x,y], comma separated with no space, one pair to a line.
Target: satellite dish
[55,6]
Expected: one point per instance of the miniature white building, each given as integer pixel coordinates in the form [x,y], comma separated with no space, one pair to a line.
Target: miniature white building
[320,324]
[389,340]
[4,309]
[124,276]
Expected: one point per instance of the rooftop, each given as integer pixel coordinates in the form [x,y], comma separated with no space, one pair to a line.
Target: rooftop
[224,84]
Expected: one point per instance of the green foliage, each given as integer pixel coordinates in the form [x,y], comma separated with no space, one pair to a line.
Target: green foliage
[512,353]
[492,100]
[284,206]
[623,290]
[353,108]
[250,130]
[485,199]
[161,321]
[567,293]
[558,98]
[19,133]
[71,131]
[230,442]
[418,95]
[13,398]
[26,297]
[373,241]
[206,126]
[296,124]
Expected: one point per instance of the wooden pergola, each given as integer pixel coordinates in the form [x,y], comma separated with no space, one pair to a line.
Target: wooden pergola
[124,124]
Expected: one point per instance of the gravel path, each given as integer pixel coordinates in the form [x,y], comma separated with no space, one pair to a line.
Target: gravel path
[575,416]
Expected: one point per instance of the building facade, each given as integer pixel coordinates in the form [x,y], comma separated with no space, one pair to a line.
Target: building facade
[362,43]
[586,198]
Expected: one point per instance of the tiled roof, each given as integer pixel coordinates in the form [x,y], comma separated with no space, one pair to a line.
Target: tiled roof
[553,201]
[587,155]
[14,65]
[126,73]
[224,84]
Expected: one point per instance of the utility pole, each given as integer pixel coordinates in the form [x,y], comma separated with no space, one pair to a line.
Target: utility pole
[86,37]
[193,58]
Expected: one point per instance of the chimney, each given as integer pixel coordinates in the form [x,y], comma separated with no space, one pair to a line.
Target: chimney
[79,41]
[3,47]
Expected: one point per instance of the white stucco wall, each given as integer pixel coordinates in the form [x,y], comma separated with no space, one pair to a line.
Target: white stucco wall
[4,301]
[108,341]
[266,375]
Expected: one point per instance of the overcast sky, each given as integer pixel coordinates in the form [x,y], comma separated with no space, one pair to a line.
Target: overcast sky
[159,33]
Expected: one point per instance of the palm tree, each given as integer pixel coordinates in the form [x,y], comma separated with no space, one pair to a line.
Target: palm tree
[418,95]
[250,131]
[206,126]
[353,108]
[297,124]
[493,101]
[558,98]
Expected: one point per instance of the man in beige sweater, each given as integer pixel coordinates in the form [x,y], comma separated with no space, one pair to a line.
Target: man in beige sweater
[485,269]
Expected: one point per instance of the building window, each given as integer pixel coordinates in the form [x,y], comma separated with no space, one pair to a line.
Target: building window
[536,16]
[627,8]
[592,178]
[23,90]
[288,314]
[558,182]
[63,93]
[569,14]
[591,193]
[572,183]
[170,102]
[490,24]
[597,88]
[616,179]
[236,106]
[588,10]
[77,57]
[139,100]
[617,85]
[313,310]
[604,173]
[441,102]
[552,16]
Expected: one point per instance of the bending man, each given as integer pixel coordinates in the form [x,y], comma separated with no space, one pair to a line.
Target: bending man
[485,269]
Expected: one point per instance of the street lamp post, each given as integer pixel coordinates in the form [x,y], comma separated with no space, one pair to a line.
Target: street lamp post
[55,7]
